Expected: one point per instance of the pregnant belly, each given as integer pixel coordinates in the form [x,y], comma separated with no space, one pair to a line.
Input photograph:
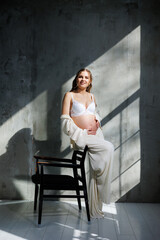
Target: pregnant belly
[85,121]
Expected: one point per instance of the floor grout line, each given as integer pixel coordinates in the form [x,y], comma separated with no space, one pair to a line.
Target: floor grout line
[130,222]
[71,224]
[146,221]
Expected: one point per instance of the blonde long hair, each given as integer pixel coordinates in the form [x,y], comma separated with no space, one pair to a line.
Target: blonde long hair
[74,83]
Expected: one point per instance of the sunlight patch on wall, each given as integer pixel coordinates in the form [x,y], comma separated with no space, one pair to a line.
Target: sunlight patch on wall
[116,86]
[39,111]
[32,116]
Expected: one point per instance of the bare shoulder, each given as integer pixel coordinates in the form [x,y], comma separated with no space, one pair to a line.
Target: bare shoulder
[68,95]
[92,95]
[66,103]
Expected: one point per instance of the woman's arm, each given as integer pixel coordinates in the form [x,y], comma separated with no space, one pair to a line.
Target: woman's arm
[66,104]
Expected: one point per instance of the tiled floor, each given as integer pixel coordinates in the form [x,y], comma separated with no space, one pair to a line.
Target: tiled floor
[62,221]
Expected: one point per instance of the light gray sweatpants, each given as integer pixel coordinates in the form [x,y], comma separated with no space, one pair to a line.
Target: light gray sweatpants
[101,160]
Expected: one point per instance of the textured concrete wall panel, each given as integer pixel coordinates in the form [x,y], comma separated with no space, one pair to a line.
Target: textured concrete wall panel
[43,45]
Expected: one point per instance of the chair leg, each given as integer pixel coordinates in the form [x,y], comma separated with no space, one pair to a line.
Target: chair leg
[79,200]
[87,205]
[40,206]
[35,197]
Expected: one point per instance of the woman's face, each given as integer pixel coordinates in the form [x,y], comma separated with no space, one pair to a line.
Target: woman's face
[83,80]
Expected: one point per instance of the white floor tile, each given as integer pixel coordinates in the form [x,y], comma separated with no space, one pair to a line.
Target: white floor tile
[63,221]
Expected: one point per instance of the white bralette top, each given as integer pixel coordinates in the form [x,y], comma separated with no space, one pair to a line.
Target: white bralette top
[79,109]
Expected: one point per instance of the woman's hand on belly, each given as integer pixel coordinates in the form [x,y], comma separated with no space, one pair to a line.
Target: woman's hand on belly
[87,122]
[97,123]
[93,129]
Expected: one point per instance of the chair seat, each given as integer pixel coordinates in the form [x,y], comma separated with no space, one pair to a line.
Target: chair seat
[57,182]
[75,182]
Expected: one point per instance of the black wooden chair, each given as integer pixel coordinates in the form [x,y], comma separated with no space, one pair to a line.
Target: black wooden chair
[46,181]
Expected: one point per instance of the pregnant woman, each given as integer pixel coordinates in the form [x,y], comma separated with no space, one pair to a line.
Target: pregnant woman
[82,124]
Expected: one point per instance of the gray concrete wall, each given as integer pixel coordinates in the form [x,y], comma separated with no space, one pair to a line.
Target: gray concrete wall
[43,45]
[150,102]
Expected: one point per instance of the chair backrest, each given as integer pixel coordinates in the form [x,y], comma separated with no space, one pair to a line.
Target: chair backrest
[79,155]
[77,162]
[78,159]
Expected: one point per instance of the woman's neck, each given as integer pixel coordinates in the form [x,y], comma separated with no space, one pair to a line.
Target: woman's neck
[81,91]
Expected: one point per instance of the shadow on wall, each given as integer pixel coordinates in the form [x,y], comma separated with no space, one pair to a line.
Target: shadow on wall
[48,47]
[15,166]
[16,163]
[43,44]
